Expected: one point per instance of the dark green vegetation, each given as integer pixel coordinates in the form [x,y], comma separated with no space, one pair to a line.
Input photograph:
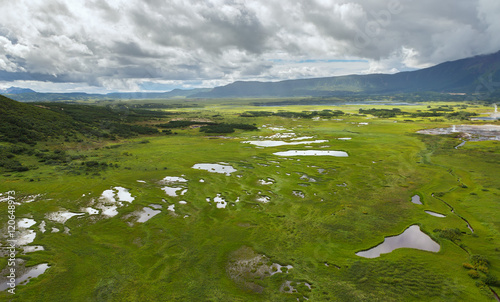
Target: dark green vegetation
[205,253]
[442,111]
[226,128]
[326,113]
[183,124]
[27,123]
[207,126]
[22,126]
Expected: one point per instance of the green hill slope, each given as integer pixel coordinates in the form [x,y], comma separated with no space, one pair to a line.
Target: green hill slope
[27,123]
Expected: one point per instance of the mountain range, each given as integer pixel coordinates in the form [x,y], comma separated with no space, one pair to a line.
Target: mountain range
[480,74]
[474,75]
[16,90]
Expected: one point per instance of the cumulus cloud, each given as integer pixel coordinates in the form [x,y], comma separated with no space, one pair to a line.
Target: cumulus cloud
[123,45]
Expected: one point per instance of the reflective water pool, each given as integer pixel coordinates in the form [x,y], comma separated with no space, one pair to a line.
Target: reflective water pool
[312,153]
[412,237]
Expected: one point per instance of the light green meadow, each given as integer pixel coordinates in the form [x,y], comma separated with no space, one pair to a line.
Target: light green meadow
[319,211]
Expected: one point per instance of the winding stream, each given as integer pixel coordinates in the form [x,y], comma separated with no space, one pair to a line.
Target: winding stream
[461,144]
[494,294]
[453,211]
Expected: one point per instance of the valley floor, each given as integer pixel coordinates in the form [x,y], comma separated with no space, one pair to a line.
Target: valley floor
[258,224]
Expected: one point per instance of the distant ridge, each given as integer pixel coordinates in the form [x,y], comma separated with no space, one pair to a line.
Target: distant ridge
[28,95]
[16,90]
[475,75]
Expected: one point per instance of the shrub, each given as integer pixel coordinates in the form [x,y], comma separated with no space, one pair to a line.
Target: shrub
[491,280]
[221,128]
[479,260]
[91,163]
[473,274]
[450,234]
[482,269]
[468,266]
[182,124]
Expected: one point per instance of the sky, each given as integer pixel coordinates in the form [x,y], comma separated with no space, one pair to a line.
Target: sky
[100,46]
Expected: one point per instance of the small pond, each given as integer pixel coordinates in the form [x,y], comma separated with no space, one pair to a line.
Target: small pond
[32,248]
[269,181]
[461,144]
[124,195]
[215,168]
[263,199]
[171,191]
[170,179]
[146,214]
[62,216]
[109,211]
[90,210]
[301,138]
[108,196]
[25,223]
[312,153]
[416,199]
[412,237]
[31,272]
[220,201]
[25,237]
[282,135]
[435,214]
[41,226]
[282,143]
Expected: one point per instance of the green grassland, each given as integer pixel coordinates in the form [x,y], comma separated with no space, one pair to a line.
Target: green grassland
[349,204]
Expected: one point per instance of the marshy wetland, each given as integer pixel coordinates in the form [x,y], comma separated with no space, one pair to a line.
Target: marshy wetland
[242,216]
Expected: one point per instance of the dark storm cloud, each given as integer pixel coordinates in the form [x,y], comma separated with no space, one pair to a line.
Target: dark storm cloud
[132,49]
[200,27]
[25,76]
